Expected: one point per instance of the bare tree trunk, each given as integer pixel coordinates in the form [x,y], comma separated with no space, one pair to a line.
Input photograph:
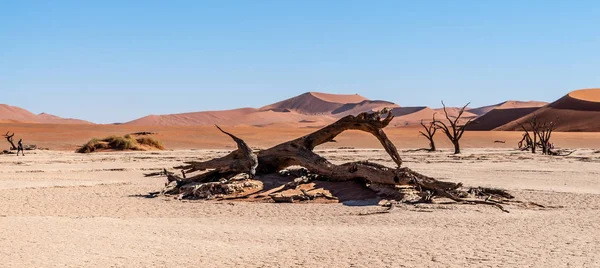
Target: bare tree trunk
[456,147]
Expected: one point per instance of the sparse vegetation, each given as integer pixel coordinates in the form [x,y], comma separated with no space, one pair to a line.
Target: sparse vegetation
[150,142]
[126,142]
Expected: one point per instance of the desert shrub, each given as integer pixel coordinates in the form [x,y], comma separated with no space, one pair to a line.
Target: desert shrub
[121,143]
[126,142]
[148,141]
[91,146]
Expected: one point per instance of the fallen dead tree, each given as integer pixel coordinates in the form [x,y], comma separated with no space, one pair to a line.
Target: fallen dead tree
[244,173]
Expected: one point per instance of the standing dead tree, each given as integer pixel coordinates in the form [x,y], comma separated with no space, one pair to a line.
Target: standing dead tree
[231,176]
[534,126]
[541,131]
[455,131]
[430,130]
[9,138]
[544,133]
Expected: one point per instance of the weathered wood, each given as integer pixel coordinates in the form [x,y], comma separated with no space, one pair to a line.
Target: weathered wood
[299,152]
[9,138]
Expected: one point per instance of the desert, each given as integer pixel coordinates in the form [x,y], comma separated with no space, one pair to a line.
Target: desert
[71,209]
[299,134]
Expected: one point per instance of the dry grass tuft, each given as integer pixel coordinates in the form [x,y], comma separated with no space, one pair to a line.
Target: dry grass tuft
[126,142]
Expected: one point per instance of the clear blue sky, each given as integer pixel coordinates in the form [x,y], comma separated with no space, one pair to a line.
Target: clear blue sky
[114,61]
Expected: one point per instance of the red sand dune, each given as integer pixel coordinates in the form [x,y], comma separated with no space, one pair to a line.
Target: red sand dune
[406,116]
[309,109]
[314,103]
[15,114]
[511,104]
[453,112]
[576,111]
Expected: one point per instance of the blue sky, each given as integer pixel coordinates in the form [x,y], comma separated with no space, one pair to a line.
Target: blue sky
[114,61]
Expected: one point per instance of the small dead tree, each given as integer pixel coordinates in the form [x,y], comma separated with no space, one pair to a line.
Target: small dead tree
[531,139]
[541,131]
[9,138]
[544,133]
[430,130]
[455,131]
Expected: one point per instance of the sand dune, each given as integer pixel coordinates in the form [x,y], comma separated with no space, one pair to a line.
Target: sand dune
[10,114]
[15,113]
[498,117]
[576,111]
[511,104]
[406,116]
[453,112]
[308,107]
[314,103]
[244,116]
[364,106]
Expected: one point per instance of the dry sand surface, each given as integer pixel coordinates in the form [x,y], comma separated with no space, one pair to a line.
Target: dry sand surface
[71,210]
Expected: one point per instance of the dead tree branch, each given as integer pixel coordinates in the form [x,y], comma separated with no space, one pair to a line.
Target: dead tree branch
[9,138]
[455,131]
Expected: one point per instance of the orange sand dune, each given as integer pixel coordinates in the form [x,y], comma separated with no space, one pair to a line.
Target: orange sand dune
[244,116]
[339,98]
[577,111]
[192,119]
[16,114]
[314,103]
[406,116]
[511,104]
[453,112]
[311,106]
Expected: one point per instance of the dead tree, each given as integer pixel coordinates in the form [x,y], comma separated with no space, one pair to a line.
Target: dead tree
[232,174]
[455,131]
[541,131]
[430,130]
[534,127]
[526,141]
[544,133]
[9,138]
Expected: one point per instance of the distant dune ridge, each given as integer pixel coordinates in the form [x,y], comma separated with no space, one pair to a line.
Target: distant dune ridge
[577,111]
[308,109]
[511,104]
[12,114]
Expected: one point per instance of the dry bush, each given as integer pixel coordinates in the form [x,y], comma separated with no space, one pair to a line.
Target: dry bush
[150,142]
[120,143]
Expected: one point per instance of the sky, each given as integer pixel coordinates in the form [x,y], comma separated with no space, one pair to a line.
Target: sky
[115,61]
